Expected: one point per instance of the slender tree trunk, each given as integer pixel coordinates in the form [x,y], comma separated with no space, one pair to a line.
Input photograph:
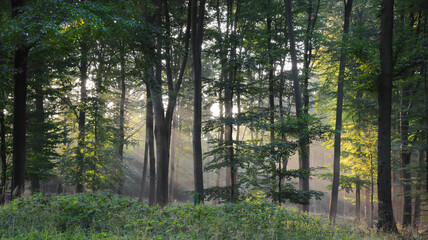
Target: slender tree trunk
[151,149]
[228,104]
[272,95]
[98,115]
[426,125]
[121,139]
[173,157]
[40,139]
[220,93]
[339,107]
[307,57]
[405,157]
[179,129]
[417,210]
[367,205]
[372,192]
[358,199]
[83,68]
[144,172]
[386,220]
[221,136]
[197,35]
[3,177]
[303,155]
[228,139]
[270,76]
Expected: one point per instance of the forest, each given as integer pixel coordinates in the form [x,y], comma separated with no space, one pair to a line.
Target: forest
[200,119]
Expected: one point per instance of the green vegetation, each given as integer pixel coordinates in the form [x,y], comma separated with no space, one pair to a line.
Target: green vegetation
[108,216]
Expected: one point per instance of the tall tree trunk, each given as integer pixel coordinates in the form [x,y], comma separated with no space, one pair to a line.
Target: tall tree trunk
[197,35]
[83,68]
[19,122]
[3,177]
[307,57]
[272,95]
[270,76]
[228,141]
[162,129]
[229,103]
[386,220]
[303,155]
[426,124]
[99,114]
[151,148]
[221,136]
[220,93]
[121,139]
[339,107]
[405,157]
[19,111]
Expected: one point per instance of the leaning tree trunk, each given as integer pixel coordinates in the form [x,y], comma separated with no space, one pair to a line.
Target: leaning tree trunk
[336,159]
[386,220]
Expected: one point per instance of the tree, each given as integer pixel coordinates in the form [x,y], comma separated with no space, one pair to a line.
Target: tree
[19,109]
[303,154]
[386,215]
[338,129]
[156,84]
[198,11]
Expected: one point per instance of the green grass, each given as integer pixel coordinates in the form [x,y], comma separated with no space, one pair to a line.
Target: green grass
[107,216]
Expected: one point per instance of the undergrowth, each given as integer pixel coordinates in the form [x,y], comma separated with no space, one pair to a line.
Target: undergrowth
[108,216]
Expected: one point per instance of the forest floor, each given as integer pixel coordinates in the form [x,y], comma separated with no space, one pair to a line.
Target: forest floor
[108,216]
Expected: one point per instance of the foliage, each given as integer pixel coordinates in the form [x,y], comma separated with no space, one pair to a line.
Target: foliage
[263,166]
[104,215]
